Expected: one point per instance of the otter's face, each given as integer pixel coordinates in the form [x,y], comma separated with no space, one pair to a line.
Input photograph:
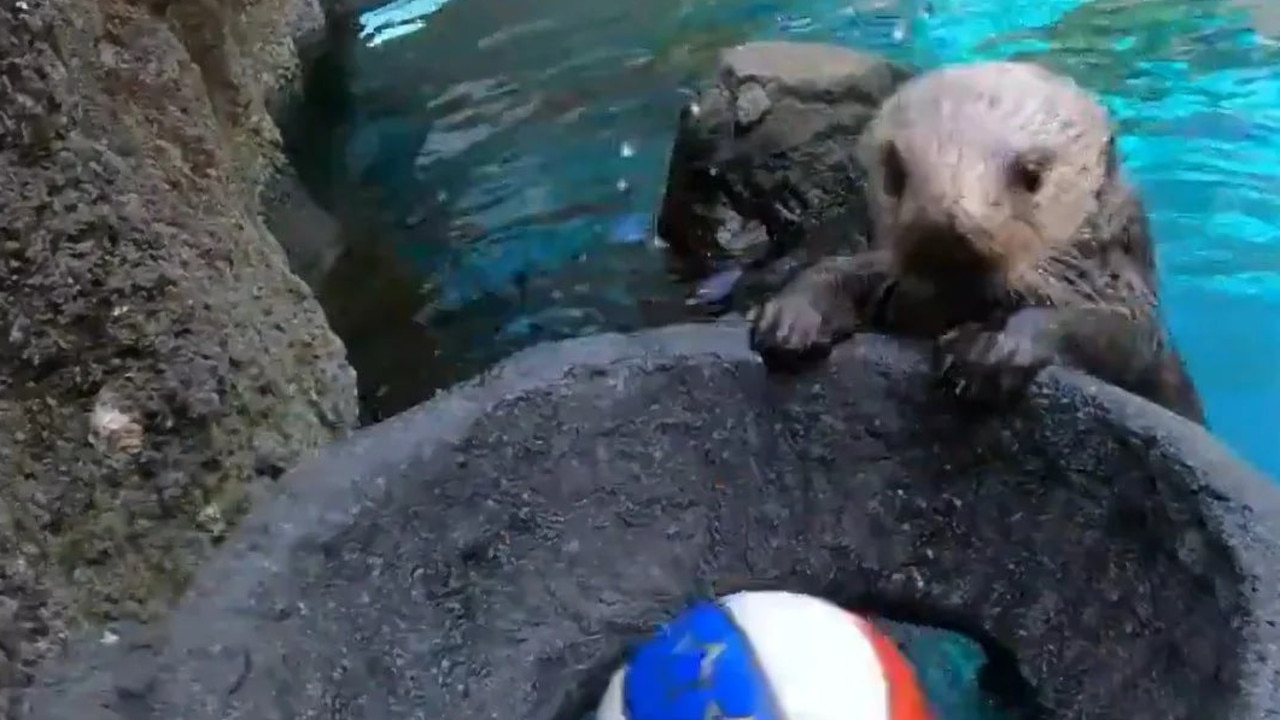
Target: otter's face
[975,177]
[964,213]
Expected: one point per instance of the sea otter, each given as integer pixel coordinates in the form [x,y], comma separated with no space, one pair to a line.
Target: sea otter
[1002,229]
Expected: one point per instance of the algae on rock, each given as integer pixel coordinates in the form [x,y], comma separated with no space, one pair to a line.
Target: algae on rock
[157,357]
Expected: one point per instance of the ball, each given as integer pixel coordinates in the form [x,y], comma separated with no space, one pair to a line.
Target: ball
[768,655]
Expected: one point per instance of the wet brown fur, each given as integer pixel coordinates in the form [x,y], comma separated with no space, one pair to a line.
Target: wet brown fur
[994,188]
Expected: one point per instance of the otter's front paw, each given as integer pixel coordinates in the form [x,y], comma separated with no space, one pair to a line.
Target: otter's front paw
[789,332]
[988,367]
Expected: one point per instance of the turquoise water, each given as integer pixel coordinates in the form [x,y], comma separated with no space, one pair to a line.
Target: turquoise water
[515,150]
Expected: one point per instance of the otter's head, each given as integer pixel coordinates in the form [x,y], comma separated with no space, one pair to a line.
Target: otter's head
[979,171]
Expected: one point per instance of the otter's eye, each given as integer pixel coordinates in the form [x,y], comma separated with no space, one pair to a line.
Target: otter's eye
[1028,170]
[895,171]
[1028,178]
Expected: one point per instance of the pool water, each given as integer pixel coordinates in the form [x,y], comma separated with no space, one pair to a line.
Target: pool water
[505,159]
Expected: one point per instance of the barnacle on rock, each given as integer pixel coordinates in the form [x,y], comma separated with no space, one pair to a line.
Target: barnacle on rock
[112,430]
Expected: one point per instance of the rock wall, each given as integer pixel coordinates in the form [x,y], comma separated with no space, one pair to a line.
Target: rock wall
[157,357]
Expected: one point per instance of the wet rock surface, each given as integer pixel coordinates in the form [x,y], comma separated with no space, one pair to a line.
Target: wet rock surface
[490,553]
[762,164]
[157,358]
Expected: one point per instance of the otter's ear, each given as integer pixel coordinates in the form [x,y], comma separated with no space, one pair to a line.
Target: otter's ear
[1028,168]
[894,169]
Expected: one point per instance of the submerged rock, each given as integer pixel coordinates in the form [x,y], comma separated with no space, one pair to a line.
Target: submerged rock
[763,163]
[157,357]
[491,553]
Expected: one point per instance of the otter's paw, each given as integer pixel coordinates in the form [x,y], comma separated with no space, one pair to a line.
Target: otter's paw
[789,332]
[985,366]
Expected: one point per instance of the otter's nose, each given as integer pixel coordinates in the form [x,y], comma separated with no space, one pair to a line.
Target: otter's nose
[944,250]
[954,244]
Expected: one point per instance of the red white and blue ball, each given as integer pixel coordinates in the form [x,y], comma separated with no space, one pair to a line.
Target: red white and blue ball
[766,656]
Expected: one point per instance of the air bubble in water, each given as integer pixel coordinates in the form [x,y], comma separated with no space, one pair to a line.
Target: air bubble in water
[627,150]
[900,31]
[623,185]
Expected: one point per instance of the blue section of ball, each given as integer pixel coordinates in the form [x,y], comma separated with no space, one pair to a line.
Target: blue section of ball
[699,667]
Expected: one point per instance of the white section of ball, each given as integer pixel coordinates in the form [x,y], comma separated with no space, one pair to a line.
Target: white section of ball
[611,704]
[820,663]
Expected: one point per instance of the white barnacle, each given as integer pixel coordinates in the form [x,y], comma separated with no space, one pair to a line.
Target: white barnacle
[111,430]
[212,520]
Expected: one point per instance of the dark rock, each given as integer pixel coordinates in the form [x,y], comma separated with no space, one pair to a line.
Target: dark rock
[156,353]
[763,162]
[490,553]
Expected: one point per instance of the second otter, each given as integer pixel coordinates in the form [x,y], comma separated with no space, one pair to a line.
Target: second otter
[1002,228]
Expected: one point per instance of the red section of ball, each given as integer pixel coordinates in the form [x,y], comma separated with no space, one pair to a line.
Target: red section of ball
[906,699]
